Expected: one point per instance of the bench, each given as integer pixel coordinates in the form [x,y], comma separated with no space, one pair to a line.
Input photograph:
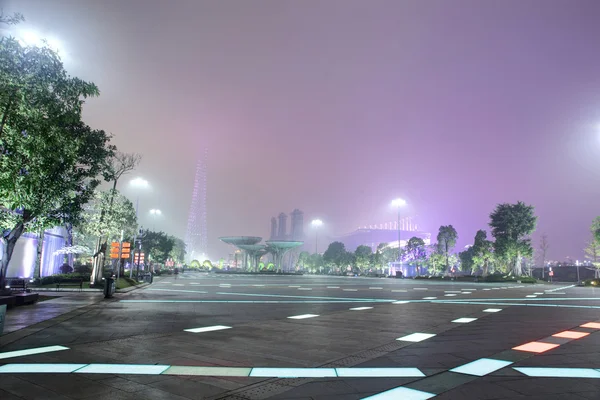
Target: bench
[17,285]
[78,283]
[26,298]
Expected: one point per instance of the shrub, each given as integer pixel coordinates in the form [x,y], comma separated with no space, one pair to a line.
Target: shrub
[592,282]
[48,280]
[83,268]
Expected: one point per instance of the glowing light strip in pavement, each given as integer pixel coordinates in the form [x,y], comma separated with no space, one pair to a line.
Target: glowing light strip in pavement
[416,337]
[571,334]
[401,393]
[303,316]
[175,290]
[39,368]
[379,372]
[208,371]
[249,301]
[306,297]
[464,320]
[129,369]
[208,329]
[509,304]
[547,372]
[293,372]
[360,308]
[536,347]
[481,367]
[592,325]
[37,350]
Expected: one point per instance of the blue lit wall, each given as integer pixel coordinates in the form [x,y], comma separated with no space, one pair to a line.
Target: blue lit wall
[22,262]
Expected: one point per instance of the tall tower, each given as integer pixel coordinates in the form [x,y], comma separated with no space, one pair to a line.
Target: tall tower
[282,229]
[297,229]
[273,228]
[196,234]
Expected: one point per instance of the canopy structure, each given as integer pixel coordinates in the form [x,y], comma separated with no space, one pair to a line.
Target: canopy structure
[239,241]
[255,252]
[279,248]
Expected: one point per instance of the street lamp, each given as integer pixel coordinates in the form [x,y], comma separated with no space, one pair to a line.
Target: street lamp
[137,183]
[399,203]
[316,223]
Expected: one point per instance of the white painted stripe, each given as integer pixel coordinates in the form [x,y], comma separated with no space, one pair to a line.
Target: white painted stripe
[304,288]
[559,372]
[464,320]
[258,285]
[401,302]
[538,293]
[560,288]
[360,308]
[37,350]
[294,286]
[492,310]
[293,372]
[126,369]
[378,372]
[178,284]
[451,291]
[350,290]
[481,367]
[39,368]
[194,283]
[487,289]
[207,329]
[466,292]
[420,288]
[416,337]
[531,295]
[399,290]
[303,316]
[450,294]
[401,393]
[333,287]
[207,371]
[375,288]
[429,298]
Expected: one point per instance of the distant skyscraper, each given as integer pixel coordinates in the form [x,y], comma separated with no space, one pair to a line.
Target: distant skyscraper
[196,234]
[297,228]
[273,228]
[282,228]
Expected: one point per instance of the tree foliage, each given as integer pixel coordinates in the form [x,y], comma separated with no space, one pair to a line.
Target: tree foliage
[466,260]
[592,253]
[157,246]
[99,218]
[362,256]
[178,251]
[50,161]
[446,240]
[335,254]
[511,226]
[483,252]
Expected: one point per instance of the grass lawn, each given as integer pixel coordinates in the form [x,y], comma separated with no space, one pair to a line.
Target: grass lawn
[123,283]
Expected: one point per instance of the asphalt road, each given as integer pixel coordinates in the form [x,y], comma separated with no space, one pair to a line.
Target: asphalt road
[288,337]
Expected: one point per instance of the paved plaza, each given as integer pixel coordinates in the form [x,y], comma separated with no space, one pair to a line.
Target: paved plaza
[201,336]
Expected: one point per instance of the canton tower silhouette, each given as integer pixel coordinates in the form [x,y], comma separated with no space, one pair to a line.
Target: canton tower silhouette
[196,234]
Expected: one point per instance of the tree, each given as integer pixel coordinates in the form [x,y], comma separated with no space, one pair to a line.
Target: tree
[483,254]
[178,251]
[511,226]
[335,254]
[415,247]
[435,260]
[362,255]
[446,239]
[592,253]
[467,264]
[98,219]
[157,246]
[595,228]
[543,250]
[50,161]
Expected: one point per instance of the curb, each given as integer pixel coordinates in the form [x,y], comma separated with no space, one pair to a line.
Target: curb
[130,288]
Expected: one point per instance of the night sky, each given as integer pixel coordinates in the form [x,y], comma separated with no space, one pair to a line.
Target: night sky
[338,106]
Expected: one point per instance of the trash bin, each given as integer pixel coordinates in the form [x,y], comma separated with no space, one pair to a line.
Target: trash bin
[109,287]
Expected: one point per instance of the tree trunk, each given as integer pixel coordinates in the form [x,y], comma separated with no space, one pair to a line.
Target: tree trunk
[9,246]
[37,270]
[485,268]
[6,111]
[517,269]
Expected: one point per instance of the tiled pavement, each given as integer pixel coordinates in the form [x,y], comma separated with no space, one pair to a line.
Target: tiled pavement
[262,335]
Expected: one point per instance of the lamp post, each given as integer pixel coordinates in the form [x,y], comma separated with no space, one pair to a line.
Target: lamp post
[154,212]
[399,203]
[316,223]
[137,183]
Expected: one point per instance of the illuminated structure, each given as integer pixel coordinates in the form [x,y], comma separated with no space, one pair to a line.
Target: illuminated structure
[22,263]
[196,233]
[242,243]
[373,235]
[279,248]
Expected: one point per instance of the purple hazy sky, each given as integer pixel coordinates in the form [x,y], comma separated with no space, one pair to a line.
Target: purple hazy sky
[338,106]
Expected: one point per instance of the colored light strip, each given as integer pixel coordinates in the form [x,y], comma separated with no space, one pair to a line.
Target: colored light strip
[571,334]
[39,368]
[360,308]
[481,367]
[464,320]
[303,316]
[293,372]
[547,372]
[402,393]
[379,372]
[207,371]
[536,347]
[125,369]
[37,350]
[416,337]
[208,329]
[592,325]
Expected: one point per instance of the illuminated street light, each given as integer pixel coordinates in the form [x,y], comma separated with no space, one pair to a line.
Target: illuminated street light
[139,183]
[316,223]
[399,203]
[155,211]
[32,38]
